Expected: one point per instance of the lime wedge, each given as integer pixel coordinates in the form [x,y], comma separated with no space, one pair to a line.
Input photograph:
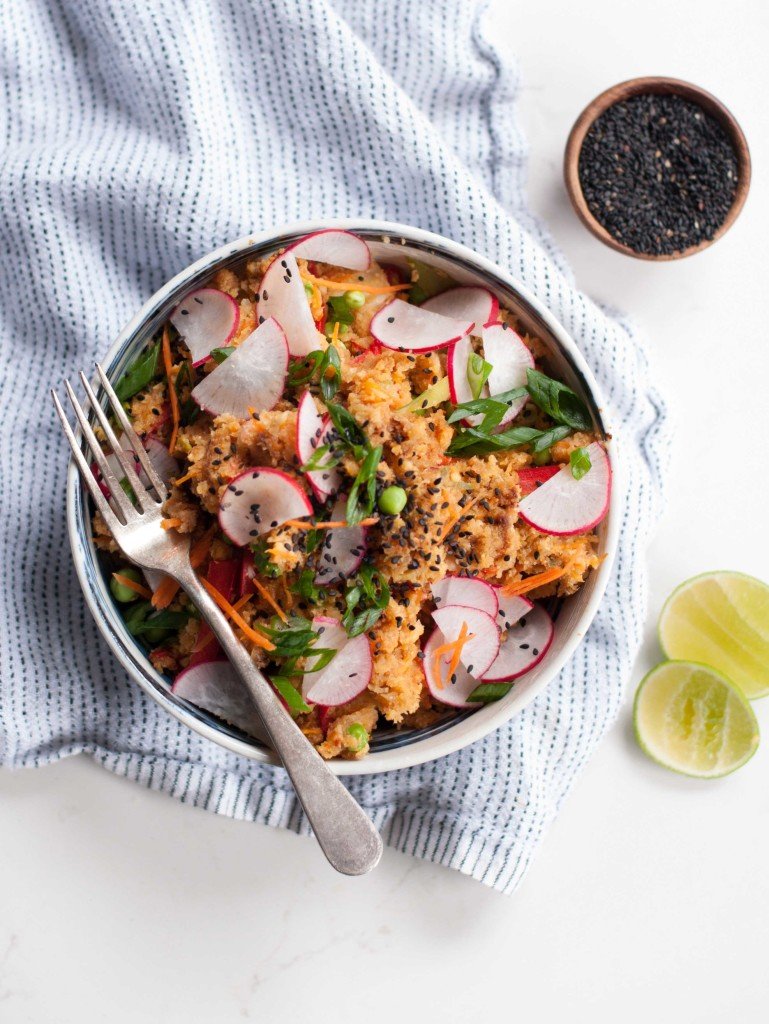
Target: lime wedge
[721,619]
[691,719]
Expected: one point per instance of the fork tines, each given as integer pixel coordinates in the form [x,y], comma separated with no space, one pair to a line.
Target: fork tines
[121,511]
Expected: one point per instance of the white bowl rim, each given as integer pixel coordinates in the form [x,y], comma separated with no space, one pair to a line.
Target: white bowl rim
[489,717]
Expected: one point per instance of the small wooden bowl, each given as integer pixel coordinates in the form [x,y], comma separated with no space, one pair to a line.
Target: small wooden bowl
[664,86]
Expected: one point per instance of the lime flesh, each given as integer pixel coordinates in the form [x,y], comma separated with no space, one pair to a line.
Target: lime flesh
[721,619]
[691,719]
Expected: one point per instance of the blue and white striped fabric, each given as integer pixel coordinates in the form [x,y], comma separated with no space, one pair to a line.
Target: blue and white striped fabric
[137,137]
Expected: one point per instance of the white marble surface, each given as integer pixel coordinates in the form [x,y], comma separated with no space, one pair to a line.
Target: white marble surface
[649,899]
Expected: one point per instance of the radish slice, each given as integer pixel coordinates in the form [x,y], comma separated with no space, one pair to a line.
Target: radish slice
[206,319]
[346,675]
[312,431]
[510,359]
[164,464]
[477,654]
[523,646]
[340,248]
[565,506]
[466,303]
[342,549]
[532,477]
[399,325]
[457,358]
[511,608]
[283,297]
[214,686]
[452,691]
[251,379]
[258,500]
[467,591]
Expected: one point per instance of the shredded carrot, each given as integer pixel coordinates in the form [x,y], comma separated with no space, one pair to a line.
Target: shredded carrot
[359,286]
[201,547]
[194,472]
[242,602]
[171,388]
[532,582]
[168,588]
[166,592]
[451,523]
[137,588]
[335,333]
[461,641]
[455,647]
[270,600]
[336,524]
[237,618]
[170,524]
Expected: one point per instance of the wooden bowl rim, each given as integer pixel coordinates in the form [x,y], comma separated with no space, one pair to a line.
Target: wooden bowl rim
[661,85]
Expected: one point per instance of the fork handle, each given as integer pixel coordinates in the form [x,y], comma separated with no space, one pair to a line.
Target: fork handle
[344,831]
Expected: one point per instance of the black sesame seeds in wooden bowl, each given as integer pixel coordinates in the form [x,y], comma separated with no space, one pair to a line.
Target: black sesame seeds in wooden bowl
[657,168]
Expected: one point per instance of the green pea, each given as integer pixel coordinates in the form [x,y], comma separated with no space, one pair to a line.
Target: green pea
[354,299]
[122,593]
[358,733]
[542,458]
[392,500]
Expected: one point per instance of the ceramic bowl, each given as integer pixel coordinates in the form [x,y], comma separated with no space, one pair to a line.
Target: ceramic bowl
[391,748]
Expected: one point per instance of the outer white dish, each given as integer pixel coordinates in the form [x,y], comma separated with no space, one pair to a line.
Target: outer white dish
[391,243]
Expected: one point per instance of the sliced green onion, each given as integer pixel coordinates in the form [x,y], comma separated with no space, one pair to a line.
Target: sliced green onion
[318,460]
[580,463]
[220,354]
[434,395]
[290,694]
[478,371]
[487,692]
[366,598]
[358,508]
[139,374]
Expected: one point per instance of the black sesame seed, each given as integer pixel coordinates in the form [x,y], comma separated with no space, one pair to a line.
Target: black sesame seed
[658,172]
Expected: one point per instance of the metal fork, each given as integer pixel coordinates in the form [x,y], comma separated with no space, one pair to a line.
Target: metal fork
[346,835]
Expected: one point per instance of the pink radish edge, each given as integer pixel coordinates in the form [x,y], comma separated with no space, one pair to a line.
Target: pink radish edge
[496,673]
[337,683]
[334,546]
[383,326]
[303,506]
[487,600]
[315,246]
[595,518]
[459,302]
[220,342]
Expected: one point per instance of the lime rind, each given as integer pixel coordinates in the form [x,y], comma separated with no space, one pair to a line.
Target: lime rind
[725,625]
[721,715]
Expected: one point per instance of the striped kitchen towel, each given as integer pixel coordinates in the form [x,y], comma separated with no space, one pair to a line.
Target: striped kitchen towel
[137,137]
